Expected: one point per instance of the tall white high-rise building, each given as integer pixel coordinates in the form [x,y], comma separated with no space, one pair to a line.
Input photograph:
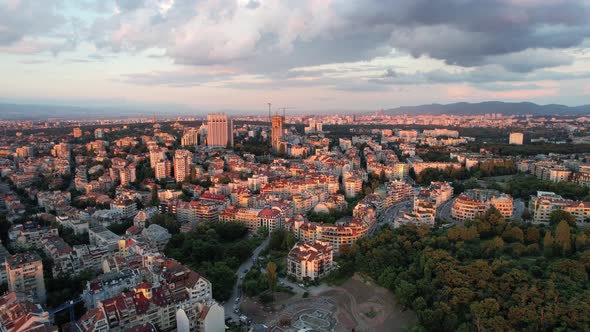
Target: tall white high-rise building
[219,130]
[182,164]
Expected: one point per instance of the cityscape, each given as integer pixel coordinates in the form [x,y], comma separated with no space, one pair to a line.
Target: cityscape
[269,166]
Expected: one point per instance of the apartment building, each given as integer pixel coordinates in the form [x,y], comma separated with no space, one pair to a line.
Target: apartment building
[516,138]
[353,185]
[182,164]
[421,166]
[310,261]
[30,234]
[18,313]
[397,191]
[219,130]
[190,138]
[24,273]
[277,131]
[182,299]
[253,218]
[474,202]
[339,234]
[162,169]
[65,263]
[542,204]
[125,207]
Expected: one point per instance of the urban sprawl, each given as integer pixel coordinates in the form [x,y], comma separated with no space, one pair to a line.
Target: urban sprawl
[186,224]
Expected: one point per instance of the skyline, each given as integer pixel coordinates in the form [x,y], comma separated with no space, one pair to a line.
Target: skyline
[311,55]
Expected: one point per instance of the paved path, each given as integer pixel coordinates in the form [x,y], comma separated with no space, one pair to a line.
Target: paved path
[236,294]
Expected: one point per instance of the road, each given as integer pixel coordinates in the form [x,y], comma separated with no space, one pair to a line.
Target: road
[388,215]
[518,208]
[444,211]
[247,265]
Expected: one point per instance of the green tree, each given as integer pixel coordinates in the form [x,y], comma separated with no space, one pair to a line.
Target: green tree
[155,200]
[271,276]
[486,315]
[563,237]
[513,234]
[548,243]
[532,235]
[557,216]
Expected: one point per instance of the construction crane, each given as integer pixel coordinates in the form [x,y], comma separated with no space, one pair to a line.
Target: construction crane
[285,108]
[69,305]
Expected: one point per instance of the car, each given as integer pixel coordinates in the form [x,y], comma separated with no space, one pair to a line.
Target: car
[301,285]
[245,271]
[237,300]
[236,311]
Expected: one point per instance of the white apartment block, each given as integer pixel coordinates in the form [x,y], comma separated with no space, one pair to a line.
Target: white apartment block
[310,261]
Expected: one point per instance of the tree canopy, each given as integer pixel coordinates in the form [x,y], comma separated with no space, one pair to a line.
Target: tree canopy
[486,275]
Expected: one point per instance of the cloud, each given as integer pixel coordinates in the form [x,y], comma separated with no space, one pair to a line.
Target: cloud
[129,4]
[532,59]
[172,78]
[467,33]
[27,18]
[480,41]
[478,75]
[254,36]
[509,87]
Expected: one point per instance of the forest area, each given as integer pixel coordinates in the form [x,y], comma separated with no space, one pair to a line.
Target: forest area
[216,250]
[488,275]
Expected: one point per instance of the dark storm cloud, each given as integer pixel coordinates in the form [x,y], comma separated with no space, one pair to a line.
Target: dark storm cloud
[468,33]
[271,38]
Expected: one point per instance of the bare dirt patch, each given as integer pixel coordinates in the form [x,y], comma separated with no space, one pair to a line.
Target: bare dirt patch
[358,304]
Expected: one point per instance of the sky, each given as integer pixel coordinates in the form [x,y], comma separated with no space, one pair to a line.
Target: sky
[311,55]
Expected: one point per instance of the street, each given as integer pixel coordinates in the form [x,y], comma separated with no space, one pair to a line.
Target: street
[518,208]
[247,265]
[388,215]
[444,211]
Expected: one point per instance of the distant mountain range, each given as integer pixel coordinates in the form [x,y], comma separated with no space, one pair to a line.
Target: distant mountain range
[492,107]
[14,111]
